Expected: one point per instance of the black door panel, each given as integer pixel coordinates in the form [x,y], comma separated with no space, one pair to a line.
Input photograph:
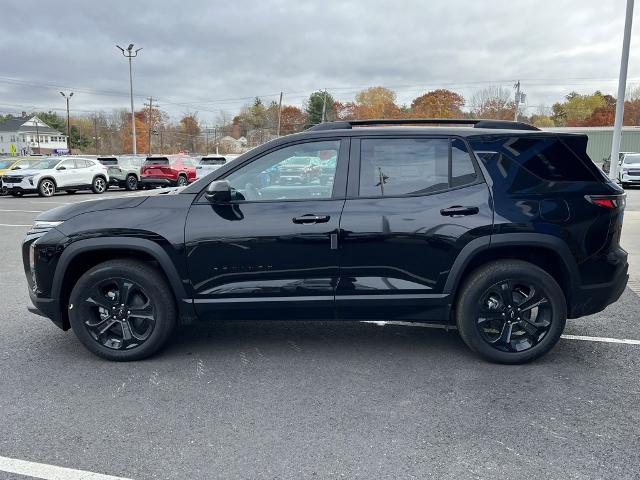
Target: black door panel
[250,256]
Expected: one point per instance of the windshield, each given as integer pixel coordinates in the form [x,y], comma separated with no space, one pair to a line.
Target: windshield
[45,164]
[5,163]
[635,158]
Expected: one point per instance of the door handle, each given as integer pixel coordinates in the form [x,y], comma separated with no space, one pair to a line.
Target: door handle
[310,218]
[458,210]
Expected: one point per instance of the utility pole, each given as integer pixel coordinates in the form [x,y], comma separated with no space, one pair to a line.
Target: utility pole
[37,136]
[95,131]
[517,87]
[67,97]
[131,54]
[279,114]
[150,120]
[622,83]
[324,107]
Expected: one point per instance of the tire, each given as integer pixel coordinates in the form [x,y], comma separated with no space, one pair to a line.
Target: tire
[99,185]
[71,192]
[46,188]
[182,181]
[96,299]
[131,183]
[495,311]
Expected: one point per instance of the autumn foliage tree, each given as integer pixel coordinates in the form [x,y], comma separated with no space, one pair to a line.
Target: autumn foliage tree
[493,102]
[292,120]
[439,103]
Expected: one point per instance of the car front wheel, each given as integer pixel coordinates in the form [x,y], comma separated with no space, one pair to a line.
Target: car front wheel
[511,311]
[46,188]
[99,185]
[122,310]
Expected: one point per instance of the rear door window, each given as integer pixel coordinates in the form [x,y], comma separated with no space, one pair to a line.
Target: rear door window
[413,166]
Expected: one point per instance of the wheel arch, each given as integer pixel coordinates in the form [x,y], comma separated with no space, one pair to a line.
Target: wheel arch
[47,177]
[546,251]
[82,255]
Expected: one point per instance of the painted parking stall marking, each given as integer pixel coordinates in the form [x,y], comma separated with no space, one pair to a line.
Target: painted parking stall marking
[49,472]
[584,338]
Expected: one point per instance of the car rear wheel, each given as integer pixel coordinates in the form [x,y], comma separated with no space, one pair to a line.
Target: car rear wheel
[182,181]
[99,185]
[131,183]
[511,311]
[122,310]
[46,188]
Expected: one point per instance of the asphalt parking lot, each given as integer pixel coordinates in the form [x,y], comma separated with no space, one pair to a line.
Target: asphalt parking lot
[287,400]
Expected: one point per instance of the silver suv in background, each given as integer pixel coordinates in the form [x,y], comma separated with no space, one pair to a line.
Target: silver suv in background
[124,170]
[52,174]
[209,163]
[629,171]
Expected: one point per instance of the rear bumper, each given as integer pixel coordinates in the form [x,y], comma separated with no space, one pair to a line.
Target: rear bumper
[157,181]
[590,299]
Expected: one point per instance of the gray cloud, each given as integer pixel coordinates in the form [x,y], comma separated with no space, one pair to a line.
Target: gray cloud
[206,56]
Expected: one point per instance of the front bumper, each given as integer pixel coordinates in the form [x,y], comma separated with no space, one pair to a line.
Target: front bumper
[22,186]
[626,178]
[49,308]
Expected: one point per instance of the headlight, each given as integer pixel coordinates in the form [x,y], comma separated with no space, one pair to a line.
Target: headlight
[43,225]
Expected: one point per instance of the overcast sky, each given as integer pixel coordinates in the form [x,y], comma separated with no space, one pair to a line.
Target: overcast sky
[207,56]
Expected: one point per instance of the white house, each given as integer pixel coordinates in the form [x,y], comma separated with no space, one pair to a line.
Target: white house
[29,135]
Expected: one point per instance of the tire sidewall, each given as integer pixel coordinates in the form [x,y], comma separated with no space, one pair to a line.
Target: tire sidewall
[182,181]
[475,287]
[154,287]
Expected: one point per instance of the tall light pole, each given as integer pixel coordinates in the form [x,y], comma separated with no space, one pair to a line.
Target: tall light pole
[67,97]
[130,53]
[622,83]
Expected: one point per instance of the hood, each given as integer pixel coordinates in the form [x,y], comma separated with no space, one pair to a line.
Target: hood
[22,172]
[66,212]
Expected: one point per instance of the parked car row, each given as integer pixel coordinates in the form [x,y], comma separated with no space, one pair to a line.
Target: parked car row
[47,175]
[628,168]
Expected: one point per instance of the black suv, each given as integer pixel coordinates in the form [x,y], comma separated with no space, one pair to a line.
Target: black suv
[497,228]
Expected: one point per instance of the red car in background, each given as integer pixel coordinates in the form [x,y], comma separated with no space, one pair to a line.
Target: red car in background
[167,170]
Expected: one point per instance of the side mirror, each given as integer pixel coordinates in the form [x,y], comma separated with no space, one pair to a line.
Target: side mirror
[218,192]
[61,168]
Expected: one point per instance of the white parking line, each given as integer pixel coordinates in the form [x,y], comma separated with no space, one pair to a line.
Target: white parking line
[601,339]
[23,211]
[12,225]
[49,472]
[584,338]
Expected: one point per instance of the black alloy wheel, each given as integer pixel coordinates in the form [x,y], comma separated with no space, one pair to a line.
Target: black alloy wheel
[124,317]
[510,311]
[131,183]
[513,315]
[122,310]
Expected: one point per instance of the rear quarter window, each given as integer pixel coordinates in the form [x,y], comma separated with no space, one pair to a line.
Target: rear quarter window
[547,158]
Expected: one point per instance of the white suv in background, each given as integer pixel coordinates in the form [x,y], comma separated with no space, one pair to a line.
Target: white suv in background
[57,173]
[208,164]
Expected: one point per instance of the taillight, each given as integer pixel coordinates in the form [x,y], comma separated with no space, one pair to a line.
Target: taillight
[608,201]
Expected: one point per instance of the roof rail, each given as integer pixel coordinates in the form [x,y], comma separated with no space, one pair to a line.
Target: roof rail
[477,123]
